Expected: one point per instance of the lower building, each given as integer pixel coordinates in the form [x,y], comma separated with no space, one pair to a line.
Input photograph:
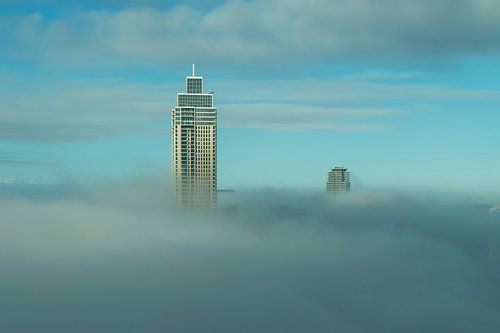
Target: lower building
[338,180]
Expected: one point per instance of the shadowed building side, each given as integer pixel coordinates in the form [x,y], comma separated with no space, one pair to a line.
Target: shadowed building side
[194,147]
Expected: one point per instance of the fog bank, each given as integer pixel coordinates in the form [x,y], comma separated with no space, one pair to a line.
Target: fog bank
[117,258]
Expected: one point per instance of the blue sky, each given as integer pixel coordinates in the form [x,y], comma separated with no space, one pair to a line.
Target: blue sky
[403,93]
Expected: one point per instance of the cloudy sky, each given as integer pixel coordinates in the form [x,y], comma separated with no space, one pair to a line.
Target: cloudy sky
[404,93]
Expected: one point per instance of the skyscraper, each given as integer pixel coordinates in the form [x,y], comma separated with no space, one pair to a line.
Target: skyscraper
[338,180]
[194,147]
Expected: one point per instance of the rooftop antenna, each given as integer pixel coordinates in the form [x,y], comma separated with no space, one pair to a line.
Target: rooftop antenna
[193,69]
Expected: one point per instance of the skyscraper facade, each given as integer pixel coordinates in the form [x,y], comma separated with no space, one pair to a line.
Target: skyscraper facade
[338,180]
[194,147]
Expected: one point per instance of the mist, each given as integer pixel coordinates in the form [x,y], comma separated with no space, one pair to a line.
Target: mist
[117,257]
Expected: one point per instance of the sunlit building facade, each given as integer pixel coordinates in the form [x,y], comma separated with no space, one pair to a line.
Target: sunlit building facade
[338,180]
[194,147]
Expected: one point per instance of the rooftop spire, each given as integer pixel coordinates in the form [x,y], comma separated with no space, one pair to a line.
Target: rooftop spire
[193,69]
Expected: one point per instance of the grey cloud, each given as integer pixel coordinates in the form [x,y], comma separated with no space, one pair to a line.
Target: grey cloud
[262,32]
[116,258]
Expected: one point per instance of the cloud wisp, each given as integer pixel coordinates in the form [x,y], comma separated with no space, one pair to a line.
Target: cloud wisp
[304,118]
[9,158]
[68,110]
[63,110]
[116,258]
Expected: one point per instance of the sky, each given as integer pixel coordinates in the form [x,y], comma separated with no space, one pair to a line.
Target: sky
[403,93]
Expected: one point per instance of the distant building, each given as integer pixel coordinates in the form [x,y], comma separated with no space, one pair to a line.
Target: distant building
[495,209]
[194,147]
[338,180]
[494,253]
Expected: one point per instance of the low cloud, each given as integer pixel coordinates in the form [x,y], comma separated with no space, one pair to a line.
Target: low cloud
[116,258]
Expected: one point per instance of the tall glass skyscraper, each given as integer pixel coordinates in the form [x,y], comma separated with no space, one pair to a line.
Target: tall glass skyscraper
[194,147]
[338,180]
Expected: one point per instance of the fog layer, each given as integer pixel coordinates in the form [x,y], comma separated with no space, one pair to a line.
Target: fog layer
[117,258]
